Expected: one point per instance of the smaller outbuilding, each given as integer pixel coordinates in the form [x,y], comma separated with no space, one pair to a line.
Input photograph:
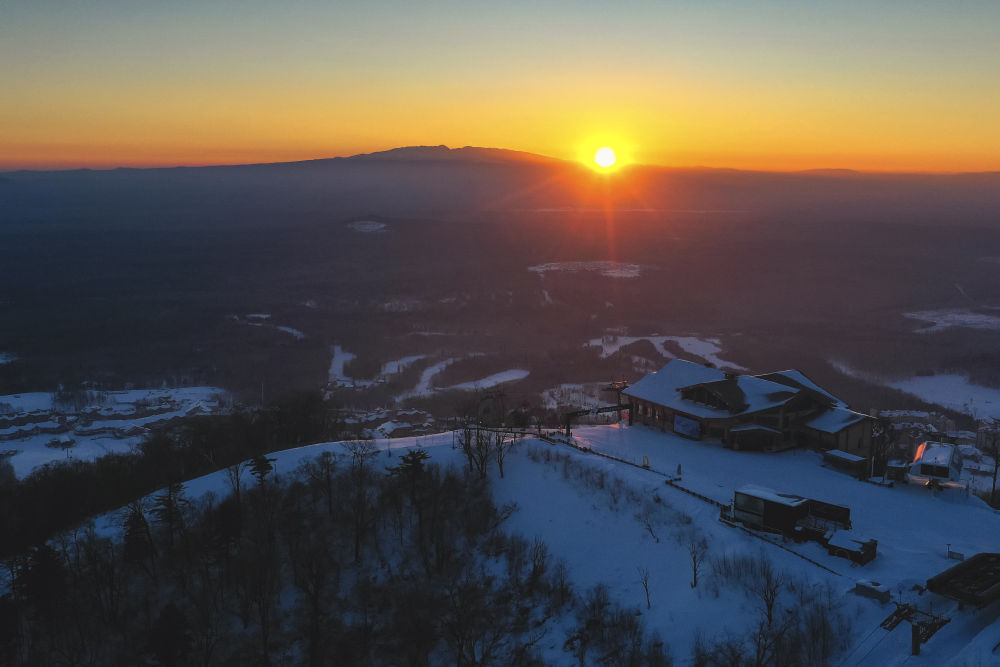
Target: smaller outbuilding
[936,463]
[769,510]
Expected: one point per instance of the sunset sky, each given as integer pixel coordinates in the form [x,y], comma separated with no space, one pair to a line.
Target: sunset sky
[875,85]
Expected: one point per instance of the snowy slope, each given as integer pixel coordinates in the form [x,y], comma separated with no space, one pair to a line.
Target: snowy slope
[589,510]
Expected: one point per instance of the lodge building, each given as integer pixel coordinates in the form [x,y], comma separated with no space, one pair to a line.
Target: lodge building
[767,412]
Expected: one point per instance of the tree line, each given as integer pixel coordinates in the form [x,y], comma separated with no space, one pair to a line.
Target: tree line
[62,494]
[345,560]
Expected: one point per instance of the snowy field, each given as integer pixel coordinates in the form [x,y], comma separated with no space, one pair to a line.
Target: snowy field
[368,226]
[336,374]
[599,531]
[705,348]
[425,384]
[393,367]
[513,375]
[939,320]
[955,392]
[605,268]
[423,387]
[263,320]
[951,391]
[115,422]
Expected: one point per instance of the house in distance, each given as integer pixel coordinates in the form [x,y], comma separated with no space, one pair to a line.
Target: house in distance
[770,412]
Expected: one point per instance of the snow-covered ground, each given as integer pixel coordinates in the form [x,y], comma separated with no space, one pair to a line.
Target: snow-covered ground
[7,357]
[595,522]
[706,348]
[943,319]
[951,391]
[512,375]
[578,396]
[368,226]
[605,268]
[294,332]
[424,387]
[340,358]
[337,376]
[115,422]
[913,527]
[393,367]
[955,392]
[264,320]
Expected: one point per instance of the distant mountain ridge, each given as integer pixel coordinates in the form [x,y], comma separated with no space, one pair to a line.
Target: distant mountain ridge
[477,183]
[444,153]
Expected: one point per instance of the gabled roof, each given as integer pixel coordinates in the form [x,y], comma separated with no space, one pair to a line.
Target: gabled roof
[835,420]
[728,392]
[796,378]
[753,394]
[666,382]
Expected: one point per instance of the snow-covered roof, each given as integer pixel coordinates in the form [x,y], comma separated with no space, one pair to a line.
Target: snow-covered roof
[935,453]
[663,388]
[845,540]
[772,495]
[796,378]
[842,455]
[835,420]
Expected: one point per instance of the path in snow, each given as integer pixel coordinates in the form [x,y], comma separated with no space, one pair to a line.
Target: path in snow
[295,332]
[393,367]
[340,358]
[512,375]
[706,348]
[423,387]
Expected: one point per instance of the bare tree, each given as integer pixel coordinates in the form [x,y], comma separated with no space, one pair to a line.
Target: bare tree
[697,548]
[466,439]
[234,474]
[361,453]
[767,586]
[503,442]
[321,472]
[646,520]
[644,580]
[479,449]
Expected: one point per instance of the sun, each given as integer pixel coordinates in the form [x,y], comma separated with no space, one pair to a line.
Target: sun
[605,157]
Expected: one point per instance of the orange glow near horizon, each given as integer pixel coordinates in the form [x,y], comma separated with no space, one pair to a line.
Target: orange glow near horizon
[113,84]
